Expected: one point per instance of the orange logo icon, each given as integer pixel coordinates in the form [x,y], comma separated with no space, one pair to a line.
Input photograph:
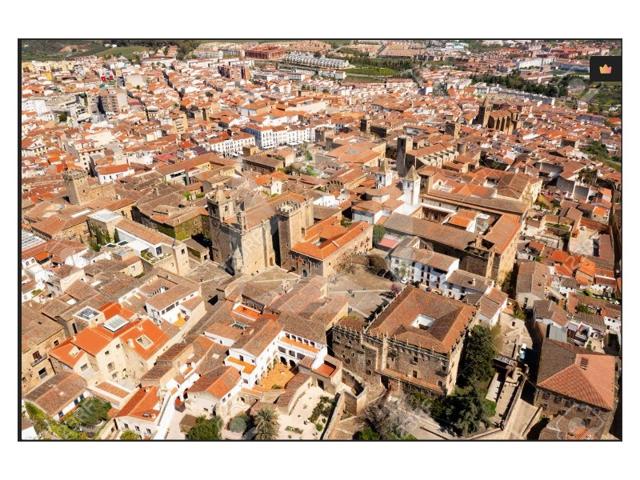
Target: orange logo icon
[605,69]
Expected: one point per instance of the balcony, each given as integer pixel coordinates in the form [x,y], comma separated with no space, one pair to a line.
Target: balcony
[39,360]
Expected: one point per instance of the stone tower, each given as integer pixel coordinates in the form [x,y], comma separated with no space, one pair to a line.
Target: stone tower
[293,223]
[405,143]
[221,206]
[484,112]
[453,129]
[77,186]
[365,124]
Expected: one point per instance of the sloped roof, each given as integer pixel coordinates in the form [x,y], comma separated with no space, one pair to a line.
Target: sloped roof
[578,373]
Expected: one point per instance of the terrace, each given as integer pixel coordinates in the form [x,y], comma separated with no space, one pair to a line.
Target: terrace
[275,378]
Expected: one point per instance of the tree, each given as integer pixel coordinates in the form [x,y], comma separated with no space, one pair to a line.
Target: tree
[266,424]
[129,435]
[477,357]
[239,423]
[464,412]
[378,233]
[205,429]
[384,423]
[90,412]
[367,433]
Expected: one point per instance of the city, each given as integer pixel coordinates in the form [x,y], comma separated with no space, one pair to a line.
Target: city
[320,240]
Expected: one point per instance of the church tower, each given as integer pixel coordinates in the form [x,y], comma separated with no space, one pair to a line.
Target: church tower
[384,177]
[411,187]
[77,186]
[484,112]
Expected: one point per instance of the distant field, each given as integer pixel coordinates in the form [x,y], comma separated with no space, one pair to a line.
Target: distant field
[372,71]
[363,79]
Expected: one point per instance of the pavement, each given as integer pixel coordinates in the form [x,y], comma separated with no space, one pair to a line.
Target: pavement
[300,414]
[169,424]
[523,413]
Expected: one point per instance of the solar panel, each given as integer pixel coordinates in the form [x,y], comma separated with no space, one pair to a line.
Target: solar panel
[87,313]
[115,323]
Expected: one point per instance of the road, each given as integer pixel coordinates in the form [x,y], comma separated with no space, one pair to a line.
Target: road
[169,411]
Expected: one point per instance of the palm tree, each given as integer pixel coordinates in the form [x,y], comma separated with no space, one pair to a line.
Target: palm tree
[266,424]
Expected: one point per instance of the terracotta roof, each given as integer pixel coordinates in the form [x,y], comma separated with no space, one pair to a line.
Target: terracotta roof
[449,319]
[57,392]
[142,405]
[578,373]
[217,382]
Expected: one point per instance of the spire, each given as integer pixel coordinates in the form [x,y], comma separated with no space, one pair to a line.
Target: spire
[412,175]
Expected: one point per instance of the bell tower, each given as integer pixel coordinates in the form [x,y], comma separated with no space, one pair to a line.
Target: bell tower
[77,187]
[411,187]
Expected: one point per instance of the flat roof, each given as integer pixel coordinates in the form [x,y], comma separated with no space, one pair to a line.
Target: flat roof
[104,215]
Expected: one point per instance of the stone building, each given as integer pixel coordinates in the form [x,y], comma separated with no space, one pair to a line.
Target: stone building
[415,343]
[39,335]
[504,119]
[81,191]
[578,384]
[327,246]
[249,238]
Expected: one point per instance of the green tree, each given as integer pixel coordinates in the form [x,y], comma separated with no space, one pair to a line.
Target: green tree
[464,412]
[266,424]
[129,435]
[367,433]
[239,423]
[378,233]
[90,412]
[479,351]
[37,416]
[205,429]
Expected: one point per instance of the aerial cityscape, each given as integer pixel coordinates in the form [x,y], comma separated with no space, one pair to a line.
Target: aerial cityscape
[320,239]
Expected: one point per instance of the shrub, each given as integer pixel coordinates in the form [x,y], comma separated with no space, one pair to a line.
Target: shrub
[238,424]
[205,429]
[129,435]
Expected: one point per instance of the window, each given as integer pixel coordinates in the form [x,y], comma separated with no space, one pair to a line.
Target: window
[106,352]
[110,366]
[84,367]
[42,373]
[56,343]
[36,356]
[414,373]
